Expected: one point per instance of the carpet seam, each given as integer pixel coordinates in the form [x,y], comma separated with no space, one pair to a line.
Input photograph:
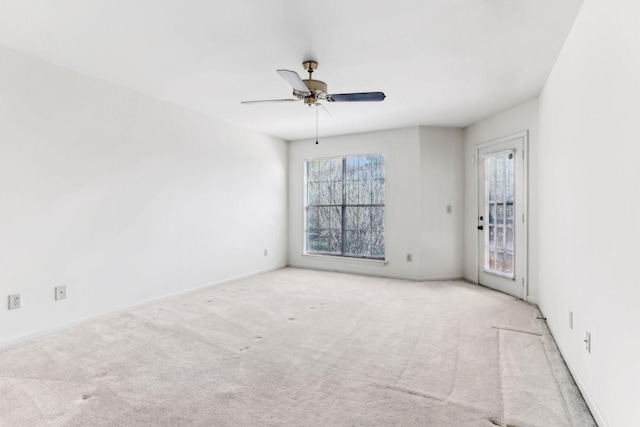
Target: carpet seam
[501,415]
[506,328]
[555,380]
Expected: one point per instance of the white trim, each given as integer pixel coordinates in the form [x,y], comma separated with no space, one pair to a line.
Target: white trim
[591,403]
[522,134]
[341,156]
[382,274]
[497,153]
[342,258]
[44,332]
[471,280]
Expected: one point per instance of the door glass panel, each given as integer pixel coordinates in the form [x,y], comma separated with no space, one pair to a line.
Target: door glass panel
[500,238]
[500,211]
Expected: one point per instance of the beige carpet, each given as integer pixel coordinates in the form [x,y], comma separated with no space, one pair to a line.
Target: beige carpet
[300,348]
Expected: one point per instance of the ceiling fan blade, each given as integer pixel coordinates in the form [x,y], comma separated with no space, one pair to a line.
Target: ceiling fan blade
[270,101]
[294,80]
[356,97]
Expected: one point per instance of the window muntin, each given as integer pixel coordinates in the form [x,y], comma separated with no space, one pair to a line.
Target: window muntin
[344,206]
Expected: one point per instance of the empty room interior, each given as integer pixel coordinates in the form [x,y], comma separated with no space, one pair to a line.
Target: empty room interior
[320,213]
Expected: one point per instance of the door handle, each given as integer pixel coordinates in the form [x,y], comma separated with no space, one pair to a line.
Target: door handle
[480,227]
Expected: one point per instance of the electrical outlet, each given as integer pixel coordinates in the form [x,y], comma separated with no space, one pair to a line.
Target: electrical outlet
[587,341]
[266,252]
[448,209]
[409,258]
[570,319]
[61,292]
[14,301]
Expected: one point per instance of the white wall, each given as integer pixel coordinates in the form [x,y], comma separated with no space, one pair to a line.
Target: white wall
[406,215]
[589,205]
[442,184]
[521,118]
[122,198]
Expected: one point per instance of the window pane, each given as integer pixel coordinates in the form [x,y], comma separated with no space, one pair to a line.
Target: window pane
[377,245]
[351,192]
[492,214]
[364,192]
[491,189]
[499,261]
[351,243]
[510,214]
[499,166]
[336,170]
[312,193]
[509,177]
[377,192]
[312,241]
[323,240]
[365,168]
[324,173]
[336,193]
[324,218]
[508,262]
[491,167]
[312,217]
[509,238]
[377,167]
[364,218]
[499,194]
[500,237]
[377,219]
[492,237]
[335,242]
[312,171]
[352,219]
[336,218]
[324,190]
[352,168]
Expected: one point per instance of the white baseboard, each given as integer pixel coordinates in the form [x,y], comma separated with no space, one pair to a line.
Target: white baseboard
[593,407]
[72,324]
[411,277]
[533,300]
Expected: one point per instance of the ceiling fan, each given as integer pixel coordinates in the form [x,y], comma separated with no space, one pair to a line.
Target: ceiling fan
[311,91]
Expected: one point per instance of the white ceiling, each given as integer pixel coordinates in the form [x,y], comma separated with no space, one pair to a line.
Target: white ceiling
[440,62]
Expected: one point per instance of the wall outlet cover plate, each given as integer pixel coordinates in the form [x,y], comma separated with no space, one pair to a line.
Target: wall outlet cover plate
[14,301]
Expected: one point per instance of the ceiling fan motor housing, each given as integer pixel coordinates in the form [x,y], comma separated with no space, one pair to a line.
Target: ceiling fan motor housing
[315,87]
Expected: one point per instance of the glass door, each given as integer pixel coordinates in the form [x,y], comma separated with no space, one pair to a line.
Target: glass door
[501,208]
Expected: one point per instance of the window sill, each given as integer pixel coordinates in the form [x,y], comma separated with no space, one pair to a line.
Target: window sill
[347,259]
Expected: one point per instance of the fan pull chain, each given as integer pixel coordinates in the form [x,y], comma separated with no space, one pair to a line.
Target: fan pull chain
[316,124]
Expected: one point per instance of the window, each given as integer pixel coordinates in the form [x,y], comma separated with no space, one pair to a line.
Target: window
[345,206]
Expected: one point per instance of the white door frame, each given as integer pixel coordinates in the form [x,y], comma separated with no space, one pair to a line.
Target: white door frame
[525,270]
